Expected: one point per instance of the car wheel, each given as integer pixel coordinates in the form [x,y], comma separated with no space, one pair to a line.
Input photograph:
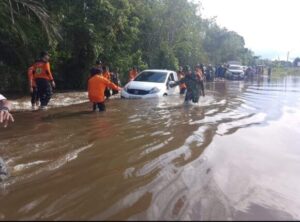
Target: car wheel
[165,94]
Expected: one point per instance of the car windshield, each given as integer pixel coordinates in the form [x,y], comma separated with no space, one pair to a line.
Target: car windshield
[235,67]
[151,76]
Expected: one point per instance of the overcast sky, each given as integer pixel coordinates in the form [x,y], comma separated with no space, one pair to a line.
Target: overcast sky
[270,28]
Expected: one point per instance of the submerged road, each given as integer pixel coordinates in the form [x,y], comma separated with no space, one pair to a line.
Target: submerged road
[234,156]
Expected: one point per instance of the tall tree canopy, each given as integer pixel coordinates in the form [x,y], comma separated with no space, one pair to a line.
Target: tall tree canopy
[121,33]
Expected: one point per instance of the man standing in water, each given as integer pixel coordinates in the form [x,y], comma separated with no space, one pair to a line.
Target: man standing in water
[181,76]
[106,74]
[269,71]
[5,118]
[115,79]
[133,73]
[96,88]
[200,75]
[43,78]
[192,82]
[32,87]
[5,115]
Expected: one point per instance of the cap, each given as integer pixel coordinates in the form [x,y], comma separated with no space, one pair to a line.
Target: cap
[95,71]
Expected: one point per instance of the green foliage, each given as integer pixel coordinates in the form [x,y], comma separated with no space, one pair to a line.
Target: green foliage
[121,33]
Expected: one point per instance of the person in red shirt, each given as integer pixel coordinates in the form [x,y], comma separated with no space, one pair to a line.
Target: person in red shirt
[200,75]
[133,73]
[44,79]
[97,84]
[32,87]
[106,74]
[182,86]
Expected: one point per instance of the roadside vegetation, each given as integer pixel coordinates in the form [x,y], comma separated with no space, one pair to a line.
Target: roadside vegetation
[121,33]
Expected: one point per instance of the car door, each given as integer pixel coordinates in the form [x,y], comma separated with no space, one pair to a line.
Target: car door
[171,78]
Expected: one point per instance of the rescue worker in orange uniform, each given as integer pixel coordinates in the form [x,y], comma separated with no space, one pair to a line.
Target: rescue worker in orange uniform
[106,74]
[97,84]
[44,79]
[133,73]
[32,87]
[182,86]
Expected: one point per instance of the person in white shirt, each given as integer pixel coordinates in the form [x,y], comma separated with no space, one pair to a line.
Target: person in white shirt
[5,115]
[5,118]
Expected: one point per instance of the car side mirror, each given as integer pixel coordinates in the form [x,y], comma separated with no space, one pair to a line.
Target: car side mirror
[171,82]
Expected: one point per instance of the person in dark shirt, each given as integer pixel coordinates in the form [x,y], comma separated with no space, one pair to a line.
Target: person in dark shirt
[193,86]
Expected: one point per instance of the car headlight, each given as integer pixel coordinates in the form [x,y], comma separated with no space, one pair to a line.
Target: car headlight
[154,90]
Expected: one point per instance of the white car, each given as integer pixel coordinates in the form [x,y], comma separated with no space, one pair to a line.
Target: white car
[235,72]
[151,83]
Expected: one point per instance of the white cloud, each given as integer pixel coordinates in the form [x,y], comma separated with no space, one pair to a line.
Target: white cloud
[266,25]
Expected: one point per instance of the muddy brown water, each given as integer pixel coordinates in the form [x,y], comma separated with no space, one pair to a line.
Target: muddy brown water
[235,156]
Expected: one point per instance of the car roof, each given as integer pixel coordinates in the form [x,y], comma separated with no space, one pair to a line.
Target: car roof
[157,70]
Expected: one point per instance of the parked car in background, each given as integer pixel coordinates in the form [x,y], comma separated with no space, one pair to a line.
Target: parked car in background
[150,84]
[235,72]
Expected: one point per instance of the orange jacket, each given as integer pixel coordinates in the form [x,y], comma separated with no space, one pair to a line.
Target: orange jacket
[42,71]
[96,88]
[30,76]
[106,75]
[132,74]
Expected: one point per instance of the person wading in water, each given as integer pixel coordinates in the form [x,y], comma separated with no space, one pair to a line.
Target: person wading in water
[192,82]
[5,118]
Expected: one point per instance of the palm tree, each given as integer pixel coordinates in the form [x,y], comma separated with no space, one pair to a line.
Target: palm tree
[13,14]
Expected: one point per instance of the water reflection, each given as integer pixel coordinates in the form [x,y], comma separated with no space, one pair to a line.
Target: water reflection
[233,156]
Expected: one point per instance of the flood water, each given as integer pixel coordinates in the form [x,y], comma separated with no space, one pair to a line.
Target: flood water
[234,156]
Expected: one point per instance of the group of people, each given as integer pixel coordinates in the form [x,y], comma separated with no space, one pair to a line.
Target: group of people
[40,81]
[191,83]
[101,83]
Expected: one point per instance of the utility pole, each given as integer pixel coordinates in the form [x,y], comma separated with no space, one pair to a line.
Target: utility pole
[287,59]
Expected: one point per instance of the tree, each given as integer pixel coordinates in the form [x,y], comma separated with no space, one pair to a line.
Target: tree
[296,62]
[25,28]
[121,33]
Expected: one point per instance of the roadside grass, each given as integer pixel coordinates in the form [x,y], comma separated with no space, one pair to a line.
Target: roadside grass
[283,71]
